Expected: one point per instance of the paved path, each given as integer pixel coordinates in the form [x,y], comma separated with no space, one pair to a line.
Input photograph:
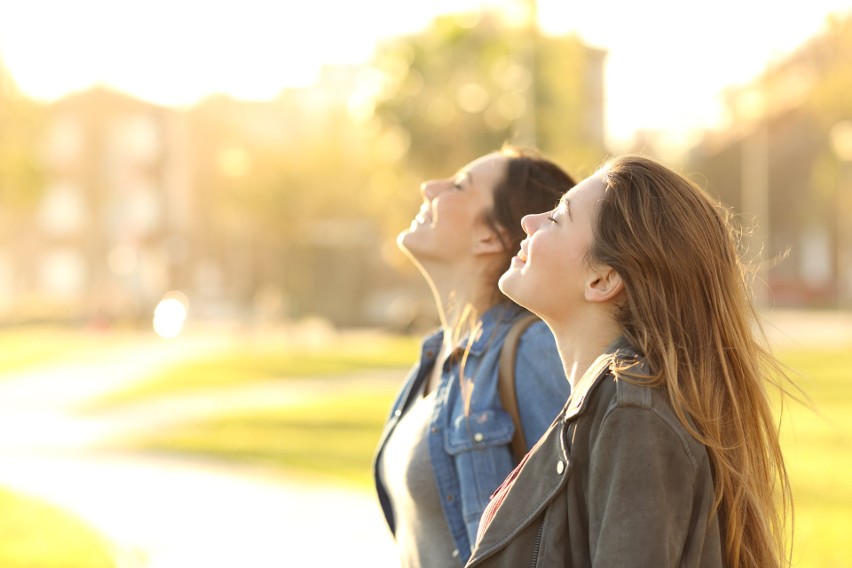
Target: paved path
[176,513]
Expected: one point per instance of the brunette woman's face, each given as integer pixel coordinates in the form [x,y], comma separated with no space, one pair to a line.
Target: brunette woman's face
[452,216]
[548,275]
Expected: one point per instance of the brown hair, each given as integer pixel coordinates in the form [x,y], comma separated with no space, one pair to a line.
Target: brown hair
[688,309]
[531,184]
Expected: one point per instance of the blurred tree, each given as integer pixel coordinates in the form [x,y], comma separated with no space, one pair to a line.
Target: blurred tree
[282,191]
[828,102]
[304,192]
[830,75]
[471,82]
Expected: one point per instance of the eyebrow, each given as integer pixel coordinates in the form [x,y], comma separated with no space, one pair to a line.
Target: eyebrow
[567,203]
[463,175]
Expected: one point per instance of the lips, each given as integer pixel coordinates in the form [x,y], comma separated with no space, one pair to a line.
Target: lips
[423,216]
[522,253]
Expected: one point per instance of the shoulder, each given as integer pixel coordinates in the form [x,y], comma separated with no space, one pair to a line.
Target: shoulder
[540,379]
[537,353]
[538,331]
[643,410]
[538,338]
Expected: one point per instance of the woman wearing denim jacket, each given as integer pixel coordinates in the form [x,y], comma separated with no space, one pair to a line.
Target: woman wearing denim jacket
[446,445]
[667,453]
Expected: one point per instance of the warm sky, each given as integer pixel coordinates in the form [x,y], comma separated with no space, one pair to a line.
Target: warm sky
[667,59]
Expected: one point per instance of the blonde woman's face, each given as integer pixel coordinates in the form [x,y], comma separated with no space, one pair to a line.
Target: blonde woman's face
[452,215]
[548,274]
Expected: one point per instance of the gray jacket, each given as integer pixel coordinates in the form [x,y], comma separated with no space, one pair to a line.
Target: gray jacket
[615,481]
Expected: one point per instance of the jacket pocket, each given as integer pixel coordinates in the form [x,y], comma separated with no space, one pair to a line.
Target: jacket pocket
[479,447]
[479,430]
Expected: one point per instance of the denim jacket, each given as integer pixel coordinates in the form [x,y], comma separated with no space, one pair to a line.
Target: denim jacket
[470,451]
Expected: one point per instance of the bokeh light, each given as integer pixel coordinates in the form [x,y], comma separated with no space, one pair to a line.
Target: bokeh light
[170,315]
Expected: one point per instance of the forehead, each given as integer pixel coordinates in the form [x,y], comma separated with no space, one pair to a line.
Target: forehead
[585,194]
[490,166]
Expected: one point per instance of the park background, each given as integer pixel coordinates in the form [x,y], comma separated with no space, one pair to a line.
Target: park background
[199,204]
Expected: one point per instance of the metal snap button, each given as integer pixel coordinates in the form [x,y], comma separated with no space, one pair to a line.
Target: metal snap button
[478,437]
[560,467]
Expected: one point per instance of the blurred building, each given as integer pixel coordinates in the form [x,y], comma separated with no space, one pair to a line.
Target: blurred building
[109,234]
[140,199]
[779,169]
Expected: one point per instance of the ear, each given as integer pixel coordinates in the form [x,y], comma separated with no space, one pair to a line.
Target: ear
[603,284]
[486,241]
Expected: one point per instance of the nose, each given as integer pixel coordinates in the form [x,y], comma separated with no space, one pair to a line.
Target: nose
[429,189]
[531,223]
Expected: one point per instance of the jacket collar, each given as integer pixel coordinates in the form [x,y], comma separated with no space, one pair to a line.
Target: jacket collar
[547,468]
[492,323]
[489,328]
[577,402]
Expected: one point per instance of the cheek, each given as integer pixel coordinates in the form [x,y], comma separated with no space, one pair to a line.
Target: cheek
[547,257]
[456,214]
[555,268]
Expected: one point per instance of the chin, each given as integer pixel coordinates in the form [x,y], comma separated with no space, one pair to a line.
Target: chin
[512,284]
[408,240]
[414,248]
[400,240]
[508,284]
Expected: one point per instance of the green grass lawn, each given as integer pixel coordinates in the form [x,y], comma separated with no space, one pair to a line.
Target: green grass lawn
[818,451]
[34,345]
[34,534]
[333,439]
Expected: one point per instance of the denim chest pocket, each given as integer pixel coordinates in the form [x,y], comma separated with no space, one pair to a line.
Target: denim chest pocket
[479,430]
[479,447]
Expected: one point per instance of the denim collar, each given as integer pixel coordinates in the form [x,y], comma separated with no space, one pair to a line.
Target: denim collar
[496,316]
[500,315]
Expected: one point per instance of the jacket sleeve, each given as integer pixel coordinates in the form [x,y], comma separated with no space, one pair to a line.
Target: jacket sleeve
[540,382]
[641,488]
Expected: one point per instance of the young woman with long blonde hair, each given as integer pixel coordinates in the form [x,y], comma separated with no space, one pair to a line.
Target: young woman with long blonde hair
[667,452]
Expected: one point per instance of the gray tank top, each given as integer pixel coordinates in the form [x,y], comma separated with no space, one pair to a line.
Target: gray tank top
[422,533]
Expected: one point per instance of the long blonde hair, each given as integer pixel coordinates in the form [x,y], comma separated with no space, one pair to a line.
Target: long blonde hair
[688,309]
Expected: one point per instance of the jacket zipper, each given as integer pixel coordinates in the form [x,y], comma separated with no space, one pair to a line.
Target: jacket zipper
[537,544]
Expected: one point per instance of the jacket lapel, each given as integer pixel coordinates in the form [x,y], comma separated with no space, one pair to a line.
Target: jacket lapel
[545,472]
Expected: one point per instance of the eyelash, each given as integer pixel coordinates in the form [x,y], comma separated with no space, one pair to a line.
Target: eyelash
[457,184]
[551,219]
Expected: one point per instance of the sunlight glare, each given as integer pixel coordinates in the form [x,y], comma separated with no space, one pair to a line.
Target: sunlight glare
[175,54]
[170,314]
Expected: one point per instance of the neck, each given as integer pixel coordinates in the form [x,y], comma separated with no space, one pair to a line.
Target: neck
[583,338]
[457,291]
